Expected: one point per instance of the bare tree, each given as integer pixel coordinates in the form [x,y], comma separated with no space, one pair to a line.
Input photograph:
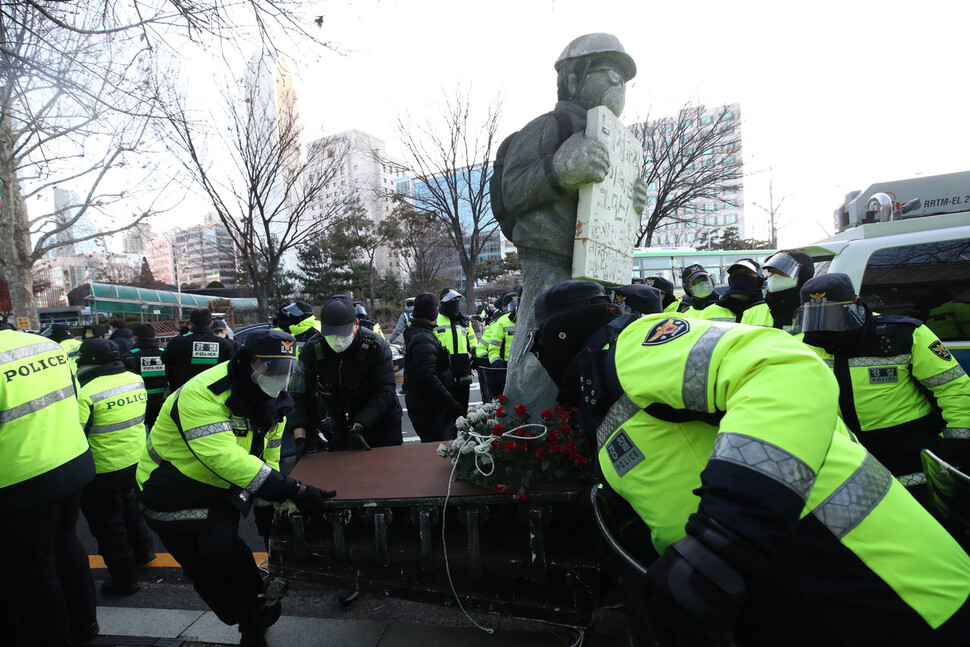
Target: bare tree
[690,160]
[423,244]
[267,194]
[451,170]
[74,112]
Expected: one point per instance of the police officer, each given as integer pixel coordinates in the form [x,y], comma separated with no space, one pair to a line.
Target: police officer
[112,402]
[61,333]
[350,369]
[216,445]
[403,321]
[46,462]
[365,321]
[698,289]
[297,318]
[895,376]
[669,301]
[770,522]
[188,355]
[145,360]
[744,293]
[787,272]
[503,331]
[457,337]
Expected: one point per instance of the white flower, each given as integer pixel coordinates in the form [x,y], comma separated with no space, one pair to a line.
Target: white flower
[468,448]
[461,422]
[443,451]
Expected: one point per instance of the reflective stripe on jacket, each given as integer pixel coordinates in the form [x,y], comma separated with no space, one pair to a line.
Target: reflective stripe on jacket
[112,411]
[42,447]
[743,426]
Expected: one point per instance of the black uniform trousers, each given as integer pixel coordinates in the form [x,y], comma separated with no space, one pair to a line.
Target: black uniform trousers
[219,563]
[49,584]
[116,522]
[432,425]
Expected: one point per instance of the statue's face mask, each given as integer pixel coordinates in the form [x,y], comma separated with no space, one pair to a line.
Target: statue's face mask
[601,84]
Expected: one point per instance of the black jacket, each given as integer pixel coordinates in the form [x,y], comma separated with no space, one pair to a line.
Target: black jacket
[187,356]
[146,360]
[428,380]
[124,338]
[356,385]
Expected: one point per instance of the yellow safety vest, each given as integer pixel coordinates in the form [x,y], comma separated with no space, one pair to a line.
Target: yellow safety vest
[113,415]
[734,380]
[500,343]
[41,441]
[211,453]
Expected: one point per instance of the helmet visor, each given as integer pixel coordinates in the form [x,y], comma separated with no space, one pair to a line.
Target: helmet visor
[274,366]
[841,316]
[293,310]
[783,263]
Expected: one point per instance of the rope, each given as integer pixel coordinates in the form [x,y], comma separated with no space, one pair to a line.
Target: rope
[444,547]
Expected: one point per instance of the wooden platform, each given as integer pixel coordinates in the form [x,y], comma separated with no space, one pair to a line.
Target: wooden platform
[401,472]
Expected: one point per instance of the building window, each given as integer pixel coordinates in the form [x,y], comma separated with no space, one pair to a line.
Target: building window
[731,219]
[690,237]
[710,220]
[727,116]
[710,206]
[706,120]
[652,186]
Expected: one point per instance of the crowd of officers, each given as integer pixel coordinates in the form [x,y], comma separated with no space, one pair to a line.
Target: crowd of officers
[776,465]
[182,441]
[749,462]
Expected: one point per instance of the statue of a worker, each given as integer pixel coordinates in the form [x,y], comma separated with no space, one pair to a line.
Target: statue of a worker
[542,169]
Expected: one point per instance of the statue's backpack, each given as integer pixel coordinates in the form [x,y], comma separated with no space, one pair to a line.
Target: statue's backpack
[495,183]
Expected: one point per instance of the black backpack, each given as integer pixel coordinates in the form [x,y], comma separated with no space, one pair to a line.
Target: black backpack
[565,123]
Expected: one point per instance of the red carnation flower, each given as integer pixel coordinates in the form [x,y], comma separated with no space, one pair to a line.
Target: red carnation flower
[521,496]
[500,488]
[569,447]
[553,436]
[508,445]
[580,460]
[495,444]
[559,408]
[553,448]
[539,453]
[529,434]
[498,430]
[502,399]
[523,448]
[565,428]
[547,414]
[500,413]
[520,409]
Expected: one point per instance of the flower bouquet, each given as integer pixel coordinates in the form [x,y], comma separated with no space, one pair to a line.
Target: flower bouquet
[501,449]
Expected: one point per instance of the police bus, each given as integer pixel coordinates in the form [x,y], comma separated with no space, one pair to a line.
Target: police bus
[906,246]
[668,262]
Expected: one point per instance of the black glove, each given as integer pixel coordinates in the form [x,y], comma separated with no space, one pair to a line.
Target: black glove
[498,362]
[312,500]
[697,587]
[478,362]
[456,408]
[355,437]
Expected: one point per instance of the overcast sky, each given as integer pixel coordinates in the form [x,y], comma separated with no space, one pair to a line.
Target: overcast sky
[834,96]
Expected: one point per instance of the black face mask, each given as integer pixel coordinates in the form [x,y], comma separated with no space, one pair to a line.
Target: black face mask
[746,285]
[450,309]
[783,305]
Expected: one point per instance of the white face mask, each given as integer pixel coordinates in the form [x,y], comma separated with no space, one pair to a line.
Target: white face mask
[780,282]
[273,384]
[703,289]
[339,343]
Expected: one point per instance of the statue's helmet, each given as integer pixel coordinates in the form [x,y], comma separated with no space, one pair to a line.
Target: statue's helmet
[599,45]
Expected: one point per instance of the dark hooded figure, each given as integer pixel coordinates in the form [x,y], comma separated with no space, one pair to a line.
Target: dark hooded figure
[121,334]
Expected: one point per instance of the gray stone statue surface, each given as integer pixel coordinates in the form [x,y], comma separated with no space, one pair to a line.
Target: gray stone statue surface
[545,164]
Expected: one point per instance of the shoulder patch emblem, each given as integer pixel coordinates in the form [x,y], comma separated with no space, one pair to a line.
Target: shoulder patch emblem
[941,351]
[666,330]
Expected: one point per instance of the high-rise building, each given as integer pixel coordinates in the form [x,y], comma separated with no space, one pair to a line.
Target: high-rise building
[195,255]
[270,95]
[366,173]
[695,146]
[66,206]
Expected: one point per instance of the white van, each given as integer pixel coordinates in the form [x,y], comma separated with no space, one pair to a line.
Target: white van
[918,265]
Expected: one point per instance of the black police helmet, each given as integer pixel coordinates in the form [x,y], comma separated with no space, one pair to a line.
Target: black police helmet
[97,351]
[644,299]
